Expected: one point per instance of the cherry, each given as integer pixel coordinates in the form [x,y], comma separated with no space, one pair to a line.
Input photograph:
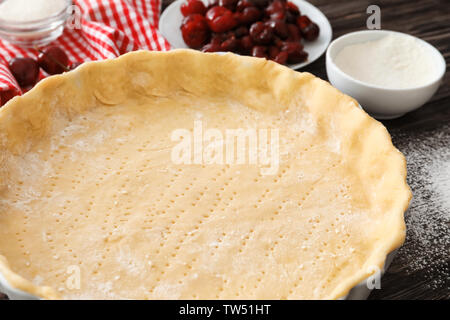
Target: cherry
[295,52]
[211,47]
[290,18]
[273,52]
[303,22]
[278,42]
[247,43]
[260,3]
[53,60]
[260,33]
[238,17]
[311,33]
[275,7]
[292,8]
[259,51]
[294,33]
[281,58]
[279,27]
[220,19]
[25,70]
[242,4]
[297,56]
[195,31]
[217,38]
[188,19]
[229,4]
[231,44]
[309,29]
[215,12]
[192,7]
[256,29]
[290,46]
[279,15]
[6,95]
[241,31]
[250,15]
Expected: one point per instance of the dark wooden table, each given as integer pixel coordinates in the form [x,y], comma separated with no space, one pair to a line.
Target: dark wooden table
[421,269]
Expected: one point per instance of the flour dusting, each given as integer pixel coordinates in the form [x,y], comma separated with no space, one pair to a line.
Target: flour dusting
[427,247]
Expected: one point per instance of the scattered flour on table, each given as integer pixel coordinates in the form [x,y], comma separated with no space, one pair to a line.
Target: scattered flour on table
[427,246]
[441,181]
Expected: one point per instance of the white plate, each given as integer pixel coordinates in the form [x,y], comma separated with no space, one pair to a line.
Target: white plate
[171,18]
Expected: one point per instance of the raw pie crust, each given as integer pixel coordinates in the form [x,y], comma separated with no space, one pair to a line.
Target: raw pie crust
[87,182]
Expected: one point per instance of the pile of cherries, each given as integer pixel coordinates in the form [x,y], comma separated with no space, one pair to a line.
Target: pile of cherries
[271,29]
[52,60]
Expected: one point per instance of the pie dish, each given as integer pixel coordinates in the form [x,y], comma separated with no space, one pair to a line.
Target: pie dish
[94,206]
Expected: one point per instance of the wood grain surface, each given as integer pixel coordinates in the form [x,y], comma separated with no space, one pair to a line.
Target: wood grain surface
[421,269]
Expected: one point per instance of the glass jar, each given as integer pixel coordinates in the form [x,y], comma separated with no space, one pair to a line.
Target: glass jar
[35,32]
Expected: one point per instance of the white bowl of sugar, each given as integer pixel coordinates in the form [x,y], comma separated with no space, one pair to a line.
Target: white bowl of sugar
[389,73]
[33,23]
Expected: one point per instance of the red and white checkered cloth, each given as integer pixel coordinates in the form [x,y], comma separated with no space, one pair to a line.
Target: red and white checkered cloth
[109,28]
